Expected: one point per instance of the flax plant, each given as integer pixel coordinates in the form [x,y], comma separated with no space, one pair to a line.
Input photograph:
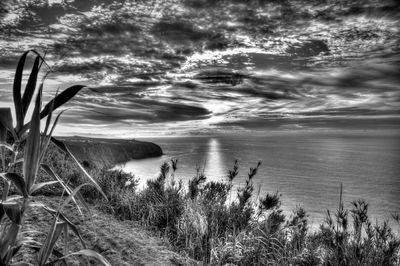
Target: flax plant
[14,206]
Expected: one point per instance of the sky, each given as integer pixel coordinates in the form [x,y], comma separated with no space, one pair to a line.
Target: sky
[206,67]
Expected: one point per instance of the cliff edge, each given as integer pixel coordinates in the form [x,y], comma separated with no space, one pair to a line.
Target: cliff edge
[110,152]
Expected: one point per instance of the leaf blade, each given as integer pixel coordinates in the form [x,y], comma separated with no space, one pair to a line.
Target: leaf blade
[13,211]
[32,150]
[60,99]
[61,145]
[47,138]
[51,238]
[17,90]
[71,225]
[6,121]
[30,86]
[18,181]
[51,173]
[72,195]
[36,187]
[88,253]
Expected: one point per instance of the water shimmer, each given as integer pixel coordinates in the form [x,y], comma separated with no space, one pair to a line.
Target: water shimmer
[306,169]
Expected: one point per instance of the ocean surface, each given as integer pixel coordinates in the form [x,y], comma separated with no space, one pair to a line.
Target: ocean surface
[307,169]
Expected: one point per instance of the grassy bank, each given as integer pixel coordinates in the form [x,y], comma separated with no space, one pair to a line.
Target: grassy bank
[123,243]
[215,224]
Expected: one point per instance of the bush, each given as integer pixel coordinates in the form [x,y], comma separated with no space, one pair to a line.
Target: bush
[213,223]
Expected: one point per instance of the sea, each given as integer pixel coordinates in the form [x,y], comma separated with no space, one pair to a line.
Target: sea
[307,169]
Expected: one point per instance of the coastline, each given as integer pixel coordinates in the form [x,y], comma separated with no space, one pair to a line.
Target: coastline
[110,152]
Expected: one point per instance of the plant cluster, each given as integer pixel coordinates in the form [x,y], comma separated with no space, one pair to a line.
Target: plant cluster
[220,224]
[23,148]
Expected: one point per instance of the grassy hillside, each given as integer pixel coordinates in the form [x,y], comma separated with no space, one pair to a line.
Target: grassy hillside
[121,242]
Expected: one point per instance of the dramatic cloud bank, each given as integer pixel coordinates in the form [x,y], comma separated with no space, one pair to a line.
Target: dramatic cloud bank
[211,66]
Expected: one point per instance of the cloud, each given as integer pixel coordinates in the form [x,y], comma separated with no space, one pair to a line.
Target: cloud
[213,64]
[110,110]
[330,123]
[178,32]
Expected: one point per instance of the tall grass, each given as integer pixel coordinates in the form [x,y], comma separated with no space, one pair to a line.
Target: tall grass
[21,159]
[218,224]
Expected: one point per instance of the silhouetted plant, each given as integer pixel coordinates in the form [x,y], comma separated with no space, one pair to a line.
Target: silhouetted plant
[194,185]
[13,208]
[269,202]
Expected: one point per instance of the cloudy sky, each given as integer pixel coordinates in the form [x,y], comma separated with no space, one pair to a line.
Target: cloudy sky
[173,67]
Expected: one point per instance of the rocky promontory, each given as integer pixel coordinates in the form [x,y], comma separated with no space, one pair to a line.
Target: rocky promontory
[110,152]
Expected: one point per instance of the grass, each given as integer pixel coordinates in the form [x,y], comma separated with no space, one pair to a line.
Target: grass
[123,243]
[215,224]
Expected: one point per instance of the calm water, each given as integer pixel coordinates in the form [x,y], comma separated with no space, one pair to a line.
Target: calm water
[306,169]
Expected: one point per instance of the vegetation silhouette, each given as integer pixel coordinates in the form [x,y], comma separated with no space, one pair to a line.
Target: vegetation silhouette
[22,156]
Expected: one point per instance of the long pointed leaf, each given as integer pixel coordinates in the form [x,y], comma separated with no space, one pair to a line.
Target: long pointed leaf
[9,239]
[60,99]
[5,145]
[25,127]
[87,253]
[21,264]
[31,155]
[48,246]
[48,120]
[6,188]
[13,211]
[51,173]
[6,120]
[3,135]
[83,202]
[2,212]
[30,86]
[37,246]
[18,181]
[64,148]
[59,229]
[71,225]
[47,137]
[36,187]
[72,195]
[17,90]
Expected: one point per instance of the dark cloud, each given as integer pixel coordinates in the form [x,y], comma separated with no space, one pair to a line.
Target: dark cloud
[110,110]
[309,48]
[178,32]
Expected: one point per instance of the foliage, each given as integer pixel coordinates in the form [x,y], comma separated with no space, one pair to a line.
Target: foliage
[219,224]
[20,165]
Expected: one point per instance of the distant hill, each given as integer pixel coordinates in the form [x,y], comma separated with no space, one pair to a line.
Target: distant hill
[110,152]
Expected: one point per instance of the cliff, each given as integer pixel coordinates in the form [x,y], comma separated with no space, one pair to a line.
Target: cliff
[110,152]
